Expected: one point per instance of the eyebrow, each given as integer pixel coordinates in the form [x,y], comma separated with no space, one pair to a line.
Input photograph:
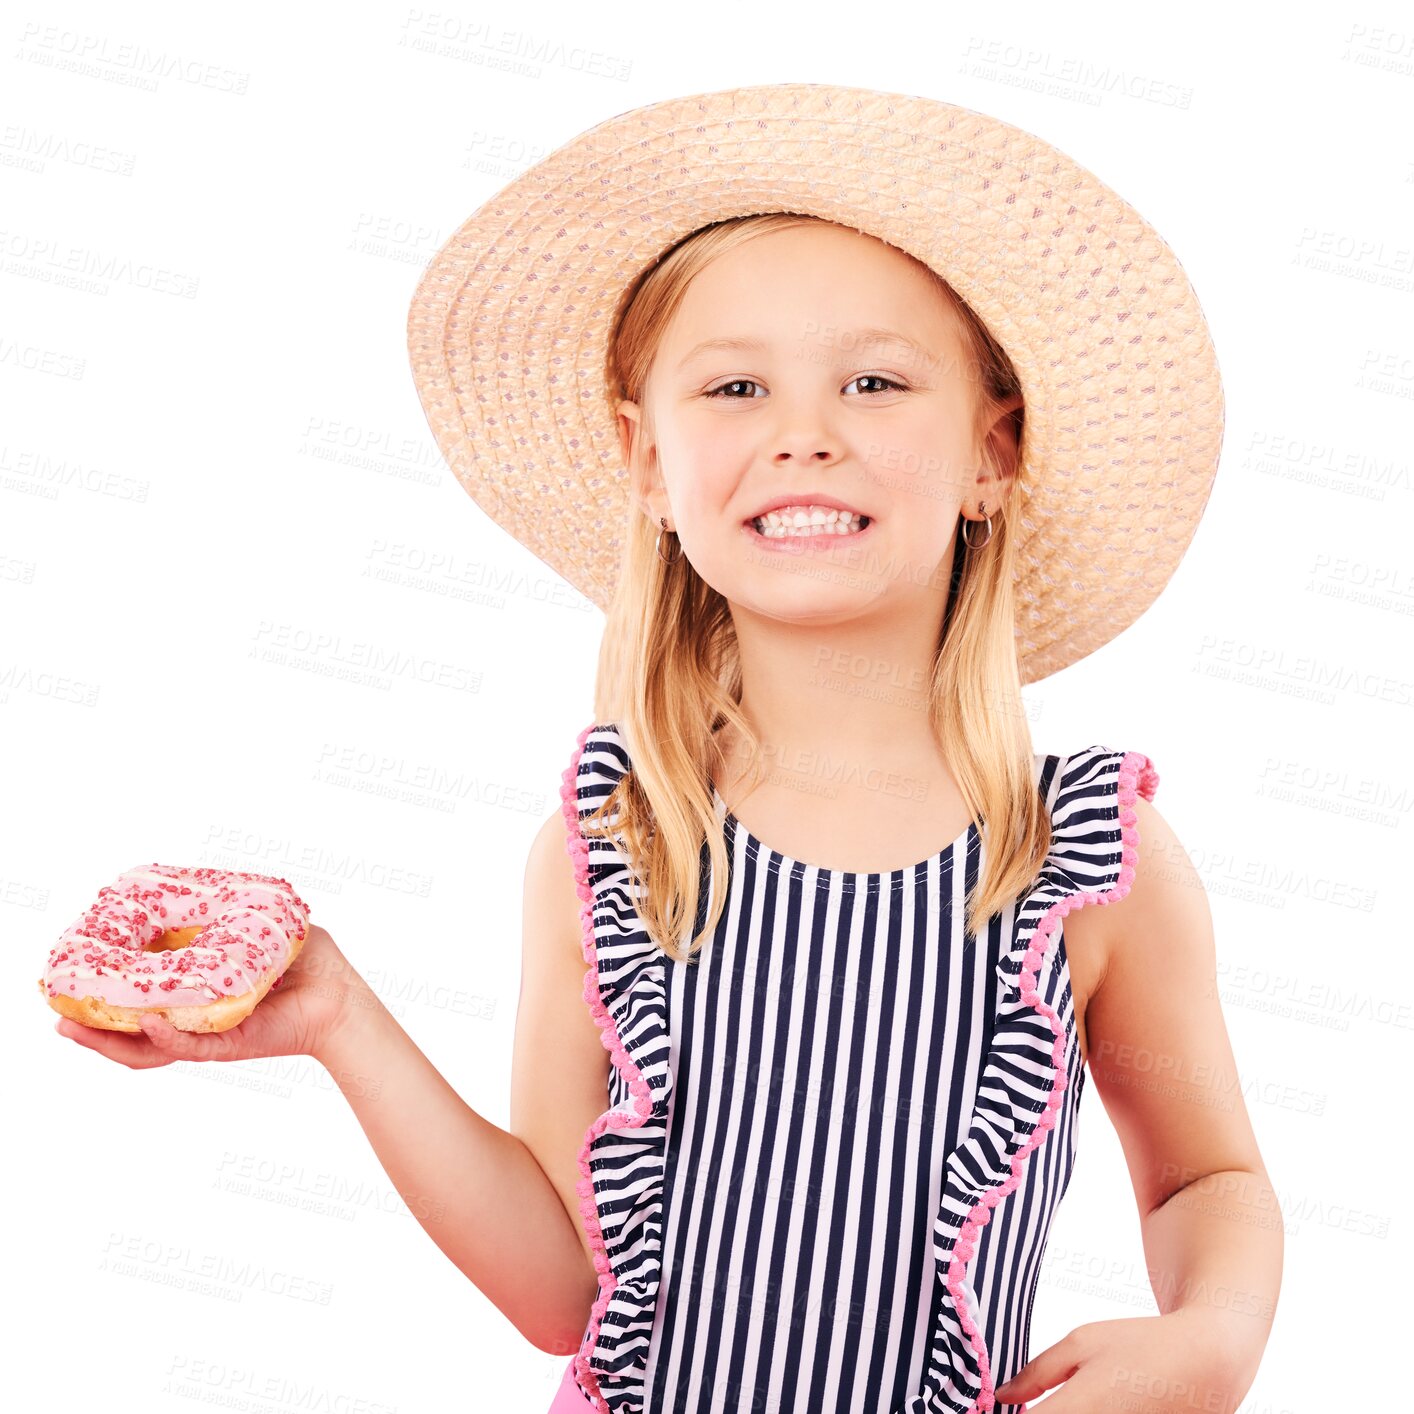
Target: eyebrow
[857,339]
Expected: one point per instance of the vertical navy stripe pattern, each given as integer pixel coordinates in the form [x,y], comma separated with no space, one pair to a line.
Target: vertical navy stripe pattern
[835,1143]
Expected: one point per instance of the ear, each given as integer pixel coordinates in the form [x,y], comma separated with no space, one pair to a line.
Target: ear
[1001,451]
[641,459]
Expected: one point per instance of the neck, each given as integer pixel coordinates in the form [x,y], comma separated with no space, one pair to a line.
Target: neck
[852,697]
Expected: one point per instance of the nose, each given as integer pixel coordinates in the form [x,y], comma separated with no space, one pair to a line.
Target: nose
[800,427]
[802,435]
[785,454]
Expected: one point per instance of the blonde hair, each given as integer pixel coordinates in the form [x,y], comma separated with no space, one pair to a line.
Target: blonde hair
[669,674]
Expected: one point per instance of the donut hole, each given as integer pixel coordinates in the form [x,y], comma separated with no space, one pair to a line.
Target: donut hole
[173,939]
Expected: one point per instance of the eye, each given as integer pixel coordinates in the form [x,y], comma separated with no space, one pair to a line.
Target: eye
[877,378]
[721,388]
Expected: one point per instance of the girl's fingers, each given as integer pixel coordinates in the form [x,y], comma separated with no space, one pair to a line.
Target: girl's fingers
[136,1052]
[159,1044]
[173,1044]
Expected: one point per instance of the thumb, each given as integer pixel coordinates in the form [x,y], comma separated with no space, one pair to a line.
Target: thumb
[1056,1363]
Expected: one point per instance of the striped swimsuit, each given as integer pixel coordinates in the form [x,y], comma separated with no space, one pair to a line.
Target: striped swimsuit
[834,1145]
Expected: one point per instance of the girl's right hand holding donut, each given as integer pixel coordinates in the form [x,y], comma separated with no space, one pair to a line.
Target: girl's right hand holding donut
[300,1016]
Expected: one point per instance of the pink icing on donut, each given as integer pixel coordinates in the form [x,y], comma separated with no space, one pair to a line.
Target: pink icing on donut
[248,923]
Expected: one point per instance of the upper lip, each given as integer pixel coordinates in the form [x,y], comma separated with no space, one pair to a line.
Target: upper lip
[807,498]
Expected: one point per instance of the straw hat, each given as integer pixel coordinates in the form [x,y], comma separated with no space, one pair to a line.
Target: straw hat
[509,327]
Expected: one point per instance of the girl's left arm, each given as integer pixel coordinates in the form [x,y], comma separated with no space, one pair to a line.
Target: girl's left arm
[1160,1057]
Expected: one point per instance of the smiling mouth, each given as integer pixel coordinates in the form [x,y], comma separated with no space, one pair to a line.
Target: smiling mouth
[808,522]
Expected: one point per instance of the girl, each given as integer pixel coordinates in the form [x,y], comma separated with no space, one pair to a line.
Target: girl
[857,411]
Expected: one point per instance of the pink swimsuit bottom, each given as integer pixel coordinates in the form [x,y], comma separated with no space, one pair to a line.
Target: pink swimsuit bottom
[568,1398]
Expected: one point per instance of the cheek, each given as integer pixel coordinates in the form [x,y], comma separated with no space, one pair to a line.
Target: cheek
[923,469]
[924,540]
[703,469]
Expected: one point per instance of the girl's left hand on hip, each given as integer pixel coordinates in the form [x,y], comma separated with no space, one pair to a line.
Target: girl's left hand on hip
[1137,1365]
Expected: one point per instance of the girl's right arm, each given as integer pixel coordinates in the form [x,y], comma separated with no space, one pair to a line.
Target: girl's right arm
[502,1204]
[484,1194]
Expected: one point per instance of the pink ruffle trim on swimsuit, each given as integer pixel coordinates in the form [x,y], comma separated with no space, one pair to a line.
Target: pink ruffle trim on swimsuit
[613,1043]
[1137,776]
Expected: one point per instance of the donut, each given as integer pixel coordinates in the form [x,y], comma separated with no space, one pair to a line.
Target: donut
[199,946]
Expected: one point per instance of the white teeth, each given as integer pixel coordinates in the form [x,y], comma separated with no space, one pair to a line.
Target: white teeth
[812,520]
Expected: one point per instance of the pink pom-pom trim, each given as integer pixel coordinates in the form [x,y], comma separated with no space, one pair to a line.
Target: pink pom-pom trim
[1137,776]
[613,1043]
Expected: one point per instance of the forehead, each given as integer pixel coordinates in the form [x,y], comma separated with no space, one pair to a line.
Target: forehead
[826,287]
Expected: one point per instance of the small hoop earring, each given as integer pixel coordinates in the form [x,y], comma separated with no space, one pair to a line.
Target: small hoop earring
[658,544]
[982,511]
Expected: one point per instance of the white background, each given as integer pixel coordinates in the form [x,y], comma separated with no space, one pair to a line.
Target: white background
[188,483]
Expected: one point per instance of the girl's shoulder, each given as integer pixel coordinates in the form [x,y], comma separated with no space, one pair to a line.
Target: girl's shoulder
[600,759]
[1094,774]
[1090,795]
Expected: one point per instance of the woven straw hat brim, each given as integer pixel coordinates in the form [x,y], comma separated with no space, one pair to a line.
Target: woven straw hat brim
[509,326]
